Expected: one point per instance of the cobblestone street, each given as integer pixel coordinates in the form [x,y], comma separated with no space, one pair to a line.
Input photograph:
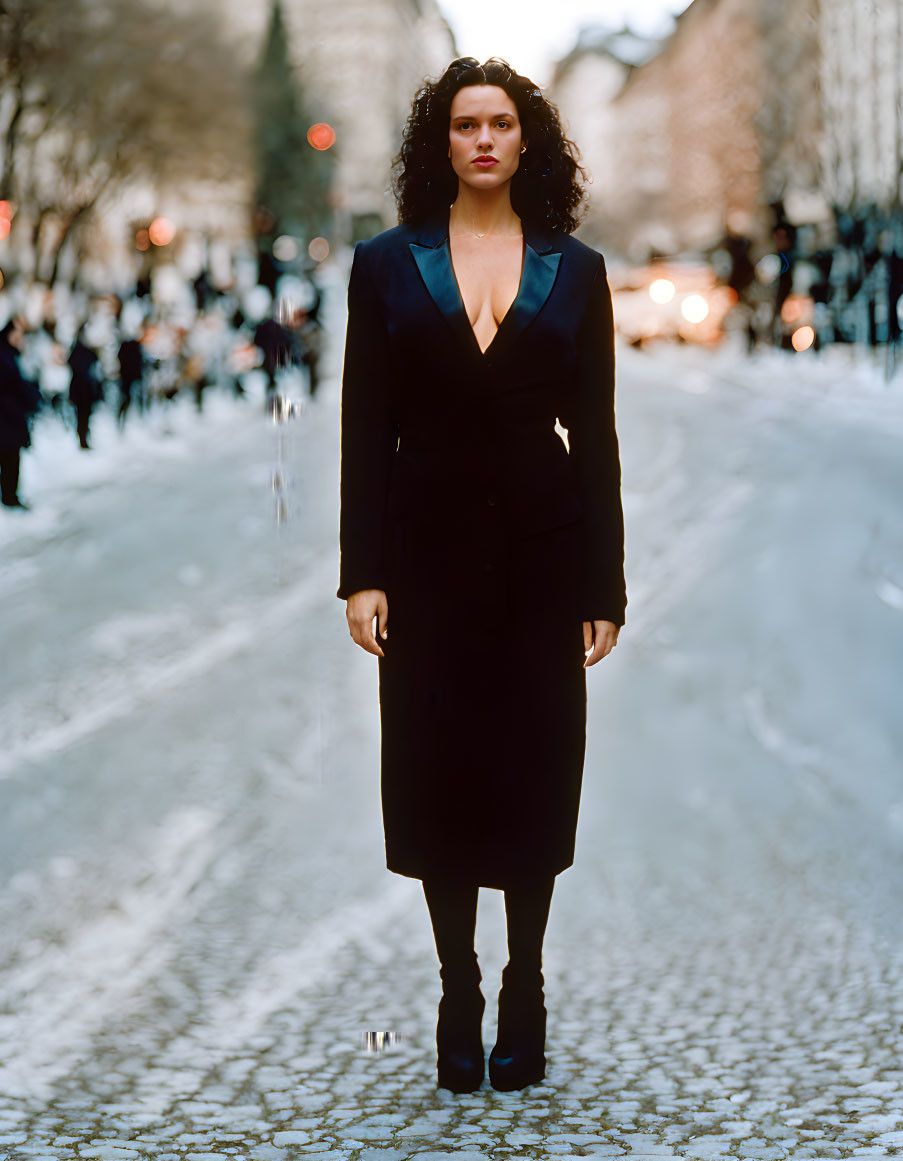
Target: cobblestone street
[204,955]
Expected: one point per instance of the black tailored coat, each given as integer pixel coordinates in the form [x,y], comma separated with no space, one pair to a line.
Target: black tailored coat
[492,539]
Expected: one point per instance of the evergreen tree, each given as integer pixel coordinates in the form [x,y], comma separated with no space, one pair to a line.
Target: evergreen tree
[292,178]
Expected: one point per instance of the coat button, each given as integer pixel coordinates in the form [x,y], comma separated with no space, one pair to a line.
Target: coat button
[488,566]
[492,501]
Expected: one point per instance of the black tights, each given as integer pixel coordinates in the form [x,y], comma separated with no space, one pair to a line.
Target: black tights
[453,912]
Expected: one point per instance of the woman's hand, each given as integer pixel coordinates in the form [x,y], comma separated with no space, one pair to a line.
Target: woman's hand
[360,609]
[606,637]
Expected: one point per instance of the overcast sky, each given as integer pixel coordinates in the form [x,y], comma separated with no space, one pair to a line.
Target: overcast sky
[530,34]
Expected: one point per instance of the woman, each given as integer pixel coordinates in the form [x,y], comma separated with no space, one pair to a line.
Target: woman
[473,325]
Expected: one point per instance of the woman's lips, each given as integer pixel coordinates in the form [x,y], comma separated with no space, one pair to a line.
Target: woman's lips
[484,162]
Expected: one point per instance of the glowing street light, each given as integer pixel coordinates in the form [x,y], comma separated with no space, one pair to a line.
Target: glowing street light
[321,136]
[661,290]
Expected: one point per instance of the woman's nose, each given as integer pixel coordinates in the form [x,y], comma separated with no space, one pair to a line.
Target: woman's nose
[485,137]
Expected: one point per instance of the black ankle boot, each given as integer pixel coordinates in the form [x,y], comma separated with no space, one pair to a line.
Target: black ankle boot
[518,1058]
[459,1040]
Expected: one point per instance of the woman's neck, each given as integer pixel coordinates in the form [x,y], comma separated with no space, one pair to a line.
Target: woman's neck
[483,212]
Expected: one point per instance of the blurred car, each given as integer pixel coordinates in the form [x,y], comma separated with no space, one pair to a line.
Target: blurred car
[677,298]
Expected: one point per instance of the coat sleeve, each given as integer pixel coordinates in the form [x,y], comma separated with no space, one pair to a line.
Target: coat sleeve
[593,444]
[368,437]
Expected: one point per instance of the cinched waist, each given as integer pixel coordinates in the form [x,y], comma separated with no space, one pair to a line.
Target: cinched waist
[435,439]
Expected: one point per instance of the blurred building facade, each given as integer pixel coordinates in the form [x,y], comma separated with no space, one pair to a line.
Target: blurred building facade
[861,82]
[360,63]
[746,105]
[585,85]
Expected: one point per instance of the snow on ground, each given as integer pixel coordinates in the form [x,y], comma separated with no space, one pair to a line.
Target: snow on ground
[201,937]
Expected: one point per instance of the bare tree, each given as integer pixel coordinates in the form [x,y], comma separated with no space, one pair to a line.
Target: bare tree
[97,94]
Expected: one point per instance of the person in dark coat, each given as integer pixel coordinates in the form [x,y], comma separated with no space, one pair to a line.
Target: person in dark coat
[85,387]
[274,343]
[131,372]
[19,400]
[489,553]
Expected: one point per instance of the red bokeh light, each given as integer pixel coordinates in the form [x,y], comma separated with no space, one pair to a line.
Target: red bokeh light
[321,136]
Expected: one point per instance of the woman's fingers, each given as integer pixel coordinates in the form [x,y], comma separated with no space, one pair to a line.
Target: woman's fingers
[361,611]
[595,655]
[364,636]
[602,636]
[370,642]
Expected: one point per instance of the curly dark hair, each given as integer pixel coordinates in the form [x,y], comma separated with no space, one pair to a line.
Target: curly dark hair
[545,190]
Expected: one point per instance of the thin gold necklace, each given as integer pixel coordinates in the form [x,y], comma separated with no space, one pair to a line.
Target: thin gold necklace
[488,234]
[474,234]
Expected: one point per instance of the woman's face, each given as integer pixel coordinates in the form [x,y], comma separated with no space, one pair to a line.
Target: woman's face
[484,123]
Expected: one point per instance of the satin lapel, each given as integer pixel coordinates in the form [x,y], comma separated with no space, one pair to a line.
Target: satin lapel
[433,257]
[435,266]
[537,280]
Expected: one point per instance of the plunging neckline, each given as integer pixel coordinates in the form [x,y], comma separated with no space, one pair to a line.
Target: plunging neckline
[508,312]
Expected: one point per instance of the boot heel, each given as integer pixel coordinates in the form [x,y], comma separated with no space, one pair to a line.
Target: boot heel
[518,1057]
[461,1063]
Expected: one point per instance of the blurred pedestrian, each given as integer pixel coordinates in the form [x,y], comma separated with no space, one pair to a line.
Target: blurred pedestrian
[131,373]
[195,375]
[267,271]
[784,235]
[85,388]
[742,280]
[202,291]
[19,400]
[274,344]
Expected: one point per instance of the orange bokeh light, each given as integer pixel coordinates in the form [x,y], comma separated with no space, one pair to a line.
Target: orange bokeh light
[797,309]
[802,338]
[791,311]
[321,135]
[161,231]
[4,228]
[142,241]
